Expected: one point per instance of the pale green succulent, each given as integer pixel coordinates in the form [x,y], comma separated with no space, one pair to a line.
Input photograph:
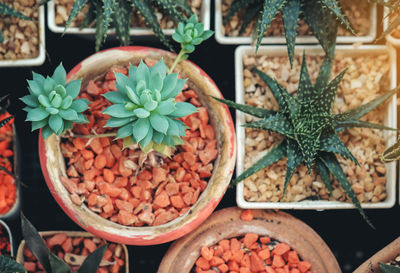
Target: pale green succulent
[52,103]
[144,107]
[191,34]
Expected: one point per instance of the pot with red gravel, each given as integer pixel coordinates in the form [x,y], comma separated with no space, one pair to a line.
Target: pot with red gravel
[6,240]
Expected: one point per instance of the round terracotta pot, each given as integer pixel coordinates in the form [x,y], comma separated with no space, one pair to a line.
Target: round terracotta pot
[10,238]
[387,254]
[21,247]
[226,223]
[53,165]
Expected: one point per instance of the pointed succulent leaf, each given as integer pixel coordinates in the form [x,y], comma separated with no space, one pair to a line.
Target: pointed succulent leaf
[171,9]
[334,144]
[308,145]
[159,123]
[331,162]
[30,100]
[9,265]
[69,114]
[290,15]
[345,124]
[275,154]
[170,82]
[57,265]
[10,11]
[294,160]
[117,122]
[80,105]
[183,109]
[146,140]
[56,124]
[108,10]
[141,113]
[39,124]
[166,107]
[76,8]
[35,88]
[118,111]
[306,89]
[277,123]
[67,102]
[235,7]
[122,21]
[125,131]
[325,175]
[334,7]
[73,88]
[37,114]
[274,86]
[46,132]
[116,97]
[141,128]
[60,75]
[93,260]
[100,31]
[251,110]
[251,12]
[392,153]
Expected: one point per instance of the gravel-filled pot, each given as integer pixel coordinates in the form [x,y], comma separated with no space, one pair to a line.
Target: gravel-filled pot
[275,34]
[24,43]
[6,240]
[58,27]
[228,223]
[71,245]
[390,254]
[202,202]
[371,70]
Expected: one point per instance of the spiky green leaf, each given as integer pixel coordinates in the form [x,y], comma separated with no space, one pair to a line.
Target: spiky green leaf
[93,260]
[251,110]
[295,158]
[334,144]
[251,12]
[76,8]
[277,123]
[10,11]
[122,21]
[324,173]
[57,265]
[290,15]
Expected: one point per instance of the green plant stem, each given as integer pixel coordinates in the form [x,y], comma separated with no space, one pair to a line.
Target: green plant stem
[177,60]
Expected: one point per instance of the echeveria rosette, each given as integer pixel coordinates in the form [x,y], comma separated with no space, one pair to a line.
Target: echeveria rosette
[309,128]
[52,103]
[144,107]
[191,34]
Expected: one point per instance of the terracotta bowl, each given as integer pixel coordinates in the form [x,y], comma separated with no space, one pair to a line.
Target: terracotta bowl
[387,254]
[226,223]
[53,165]
[21,247]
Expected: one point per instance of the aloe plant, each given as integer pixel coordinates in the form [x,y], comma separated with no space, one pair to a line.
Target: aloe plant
[322,16]
[117,14]
[51,262]
[7,10]
[52,104]
[385,268]
[309,128]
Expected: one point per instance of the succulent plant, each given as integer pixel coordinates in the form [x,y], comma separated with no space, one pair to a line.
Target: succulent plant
[117,13]
[385,268]
[51,262]
[322,16]
[10,11]
[9,265]
[144,107]
[309,128]
[52,103]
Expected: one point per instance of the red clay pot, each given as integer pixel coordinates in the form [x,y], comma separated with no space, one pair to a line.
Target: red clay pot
[53,165]
[226,223]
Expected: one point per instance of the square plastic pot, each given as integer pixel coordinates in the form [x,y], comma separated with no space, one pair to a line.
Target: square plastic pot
[237,40]
[390,120]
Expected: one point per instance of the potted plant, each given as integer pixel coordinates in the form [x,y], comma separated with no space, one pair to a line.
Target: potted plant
[265,189]
[385,261]
[150,192]
[362,17]
[22,40]
[145,18]
[260,240]
[9,184]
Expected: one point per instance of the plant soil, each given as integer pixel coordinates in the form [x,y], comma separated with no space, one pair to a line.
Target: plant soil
[8,189]
[126,186]
[62,244]
[357,11]
[21,37]
[367,77]
[64,7]
[5,247]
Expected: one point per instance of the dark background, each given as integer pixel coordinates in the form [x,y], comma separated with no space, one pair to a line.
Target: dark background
[349,237]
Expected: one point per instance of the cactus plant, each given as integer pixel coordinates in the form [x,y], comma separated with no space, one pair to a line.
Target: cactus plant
[10,11]
[52,103]
[322,17]
[309,127]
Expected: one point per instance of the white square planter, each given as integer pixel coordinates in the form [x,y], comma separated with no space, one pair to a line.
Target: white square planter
[204,15]
[390,120]
[39,60]
[222,39]
[394,41]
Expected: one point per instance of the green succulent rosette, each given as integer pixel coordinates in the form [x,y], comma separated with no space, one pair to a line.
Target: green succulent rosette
[52,104]
[144,108]
[191,34]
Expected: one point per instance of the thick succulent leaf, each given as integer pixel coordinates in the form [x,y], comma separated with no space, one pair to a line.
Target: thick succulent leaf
[251,12]
[158,137]
[324,30]
[60,75]
[295,158]
[140,128]
[331,162]
[35,243]
[108,9]
[166,107]
[324,173]
[385,268]
[333,143]
[251,110]
[270,10]
[324,73]
[90,16]
[9,265]
[122,21]
[56,123]
[180,84]
[68,114]
[305,90]
[76,8]
[342,125]
[30,100]
[290,15]
[183,109]
[10,11]
[34,88]
[118,111]
[145,9]
[274,86]
[38,78]
[275,154]
[308,145]
[291,105]
[81,119]
[39,124]
[392,153]
[159,123]
[170,8]
[92,262]
[236,6]
[335,8]
[147,140]
[46,132]
[37,114]
[364,109]
[73,88]
[156,82]
[100,31]
[57,265]
[80,105]
[124,131]
[118,122]
[277,123]
[116,97]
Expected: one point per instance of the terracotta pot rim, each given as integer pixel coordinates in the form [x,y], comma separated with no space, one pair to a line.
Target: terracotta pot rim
[10,237]
[146,235]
